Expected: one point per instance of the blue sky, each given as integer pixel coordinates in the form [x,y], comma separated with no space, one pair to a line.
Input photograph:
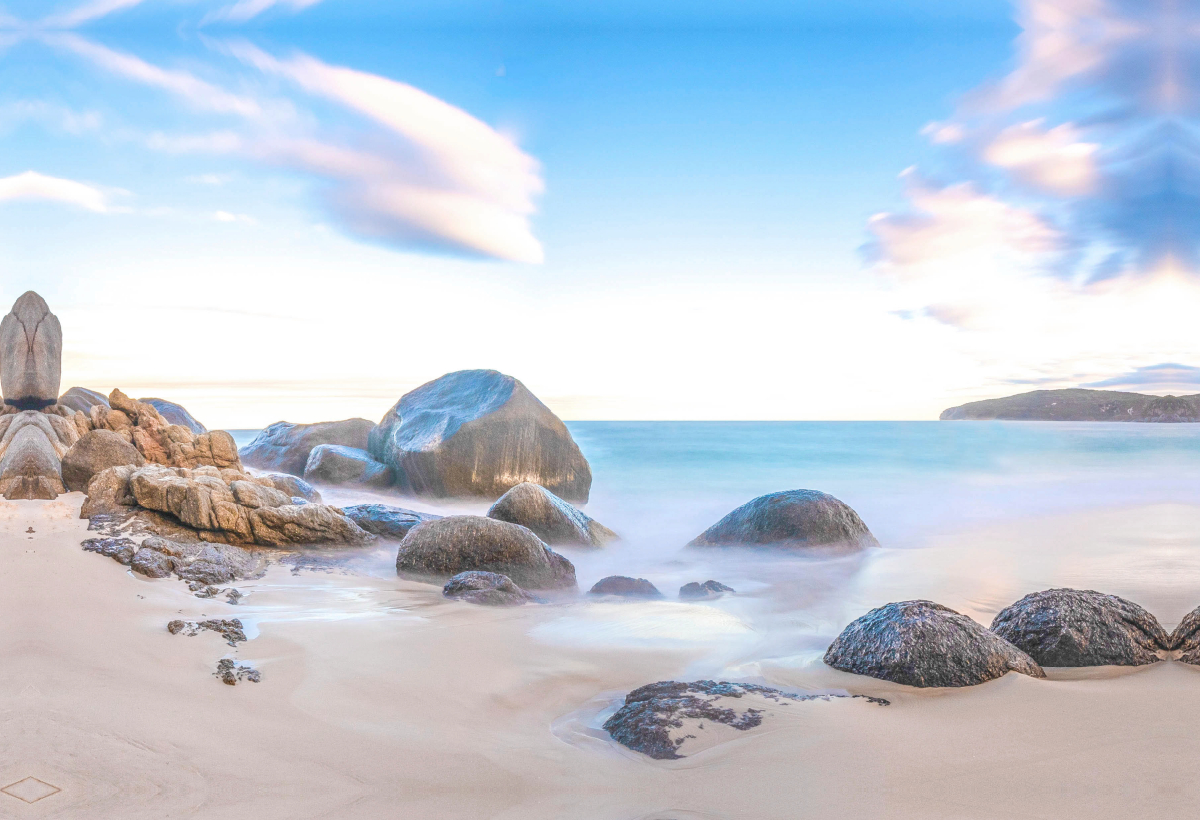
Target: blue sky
[300,210]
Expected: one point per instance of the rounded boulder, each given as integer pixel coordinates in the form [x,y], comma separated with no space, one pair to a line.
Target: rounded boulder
[95,452]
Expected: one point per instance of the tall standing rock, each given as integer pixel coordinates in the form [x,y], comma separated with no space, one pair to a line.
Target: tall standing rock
[30,354]
[478,433]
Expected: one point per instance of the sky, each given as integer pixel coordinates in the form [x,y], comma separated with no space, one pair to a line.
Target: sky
[836,209]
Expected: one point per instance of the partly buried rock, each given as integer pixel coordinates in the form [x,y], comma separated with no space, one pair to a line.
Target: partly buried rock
[231,673]
[1081,627]
[120,550]
[709,590]
[662,719]
[338,464]
[478,433]
[30,466]
[30,354]
[920,643]
[625,587]
[793,519]
[81,400]
[386,521]
[96,451]
[231,629]
[551,519]
[1186,638]
[285,447]
[487,588]
[448,546]
[197,563]
[176,414]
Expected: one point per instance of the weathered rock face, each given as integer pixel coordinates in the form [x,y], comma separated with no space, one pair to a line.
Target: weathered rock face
[198,563]
[478,433]
[445,547]
[96,451]
[1186,638]
[294,486]
[285,447]
[920,643]
[551,519]
[625,587]
[709,590]
[176,414]
[1081,627]
[30,354]
[340,465]
[661,719]
[486,588]
[82,400]
[31,448]
[792,519]
[386,521]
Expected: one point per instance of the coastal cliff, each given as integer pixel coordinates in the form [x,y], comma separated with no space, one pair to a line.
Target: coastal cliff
[1079,404]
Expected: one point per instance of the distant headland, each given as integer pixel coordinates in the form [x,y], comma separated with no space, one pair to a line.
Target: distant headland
[1080,404]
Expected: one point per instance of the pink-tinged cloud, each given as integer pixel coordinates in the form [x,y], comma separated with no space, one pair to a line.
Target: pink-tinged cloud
[32,186]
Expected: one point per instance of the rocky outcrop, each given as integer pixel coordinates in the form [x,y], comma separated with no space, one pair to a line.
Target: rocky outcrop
[485,588]
[1081,627]
[197,563]
[339,465]
[478,433]
[96,451]
[31,448]
[1079,404]
[793,519]
[708,591]
[445,547]
[661,719]
[1186,638]
[82,400]
[285,447]
[386,521]
[176,414]
[623,586]
[553,520]
[30,354]
[920,643]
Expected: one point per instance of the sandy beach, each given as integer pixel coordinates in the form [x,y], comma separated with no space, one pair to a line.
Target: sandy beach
[381,699]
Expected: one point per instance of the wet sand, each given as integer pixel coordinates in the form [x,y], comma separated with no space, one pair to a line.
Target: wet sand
[381,699]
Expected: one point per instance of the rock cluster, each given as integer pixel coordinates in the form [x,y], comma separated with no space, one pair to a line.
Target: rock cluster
[550,518]
[230,629]
[231,673]
[198,563]
[175,414]
[486,588]
[792,519]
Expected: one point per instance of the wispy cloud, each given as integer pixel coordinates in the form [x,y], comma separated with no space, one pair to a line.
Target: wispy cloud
[244,10]
[87,12]
[34,186]
[1156,377]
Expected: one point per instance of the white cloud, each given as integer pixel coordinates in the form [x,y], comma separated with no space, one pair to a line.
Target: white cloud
[244,10]
[34,186]
[88,12]
[226,216]
[1055,159]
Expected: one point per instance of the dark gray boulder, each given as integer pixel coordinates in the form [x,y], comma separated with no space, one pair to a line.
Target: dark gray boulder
[486,588]
[176,414]
[1186,638]
[625,587]
[792,519]
[285,447]
[1081,627]
[95,452]
[294,487]
[478,433]
[337,464]
[81,400]
[30,354]
[707,591]
[387,521]
[920,643]
[200,563]
[551,519]
[445,547]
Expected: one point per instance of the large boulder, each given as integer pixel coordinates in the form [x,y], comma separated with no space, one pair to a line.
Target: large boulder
[551,519]
[81,400]
[478,433]
[176,414]
[337,464]
[285,447]
[485,588]
[920,643]
[387,521]
[792,519]
[30,458]
[1186,638]
[1081,627]
[30,354]
[445,547]
[96,451]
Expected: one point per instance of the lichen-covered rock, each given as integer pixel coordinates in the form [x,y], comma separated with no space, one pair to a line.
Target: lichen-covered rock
[486,588]
[285,447]
[81,400]
[1081,627]
[1186,638]
[920,643]
[387,521]
[709,590]
[445,547]
[96,451]
[176,414]
[30,354]
[478,433]
[553,520]
[792,519]
[339,465]
[662,719]
[625,587]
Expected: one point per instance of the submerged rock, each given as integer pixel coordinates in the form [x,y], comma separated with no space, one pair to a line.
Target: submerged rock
[386,521]
[709,590]
[487,588]
[625,587]
[660,718]
[478,433]
[95,452]
[793,519]
[338,465]
[549,517]
[285,447]
[176,414]
[1074,627]
[920,643]
[30,354]
[448,546]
